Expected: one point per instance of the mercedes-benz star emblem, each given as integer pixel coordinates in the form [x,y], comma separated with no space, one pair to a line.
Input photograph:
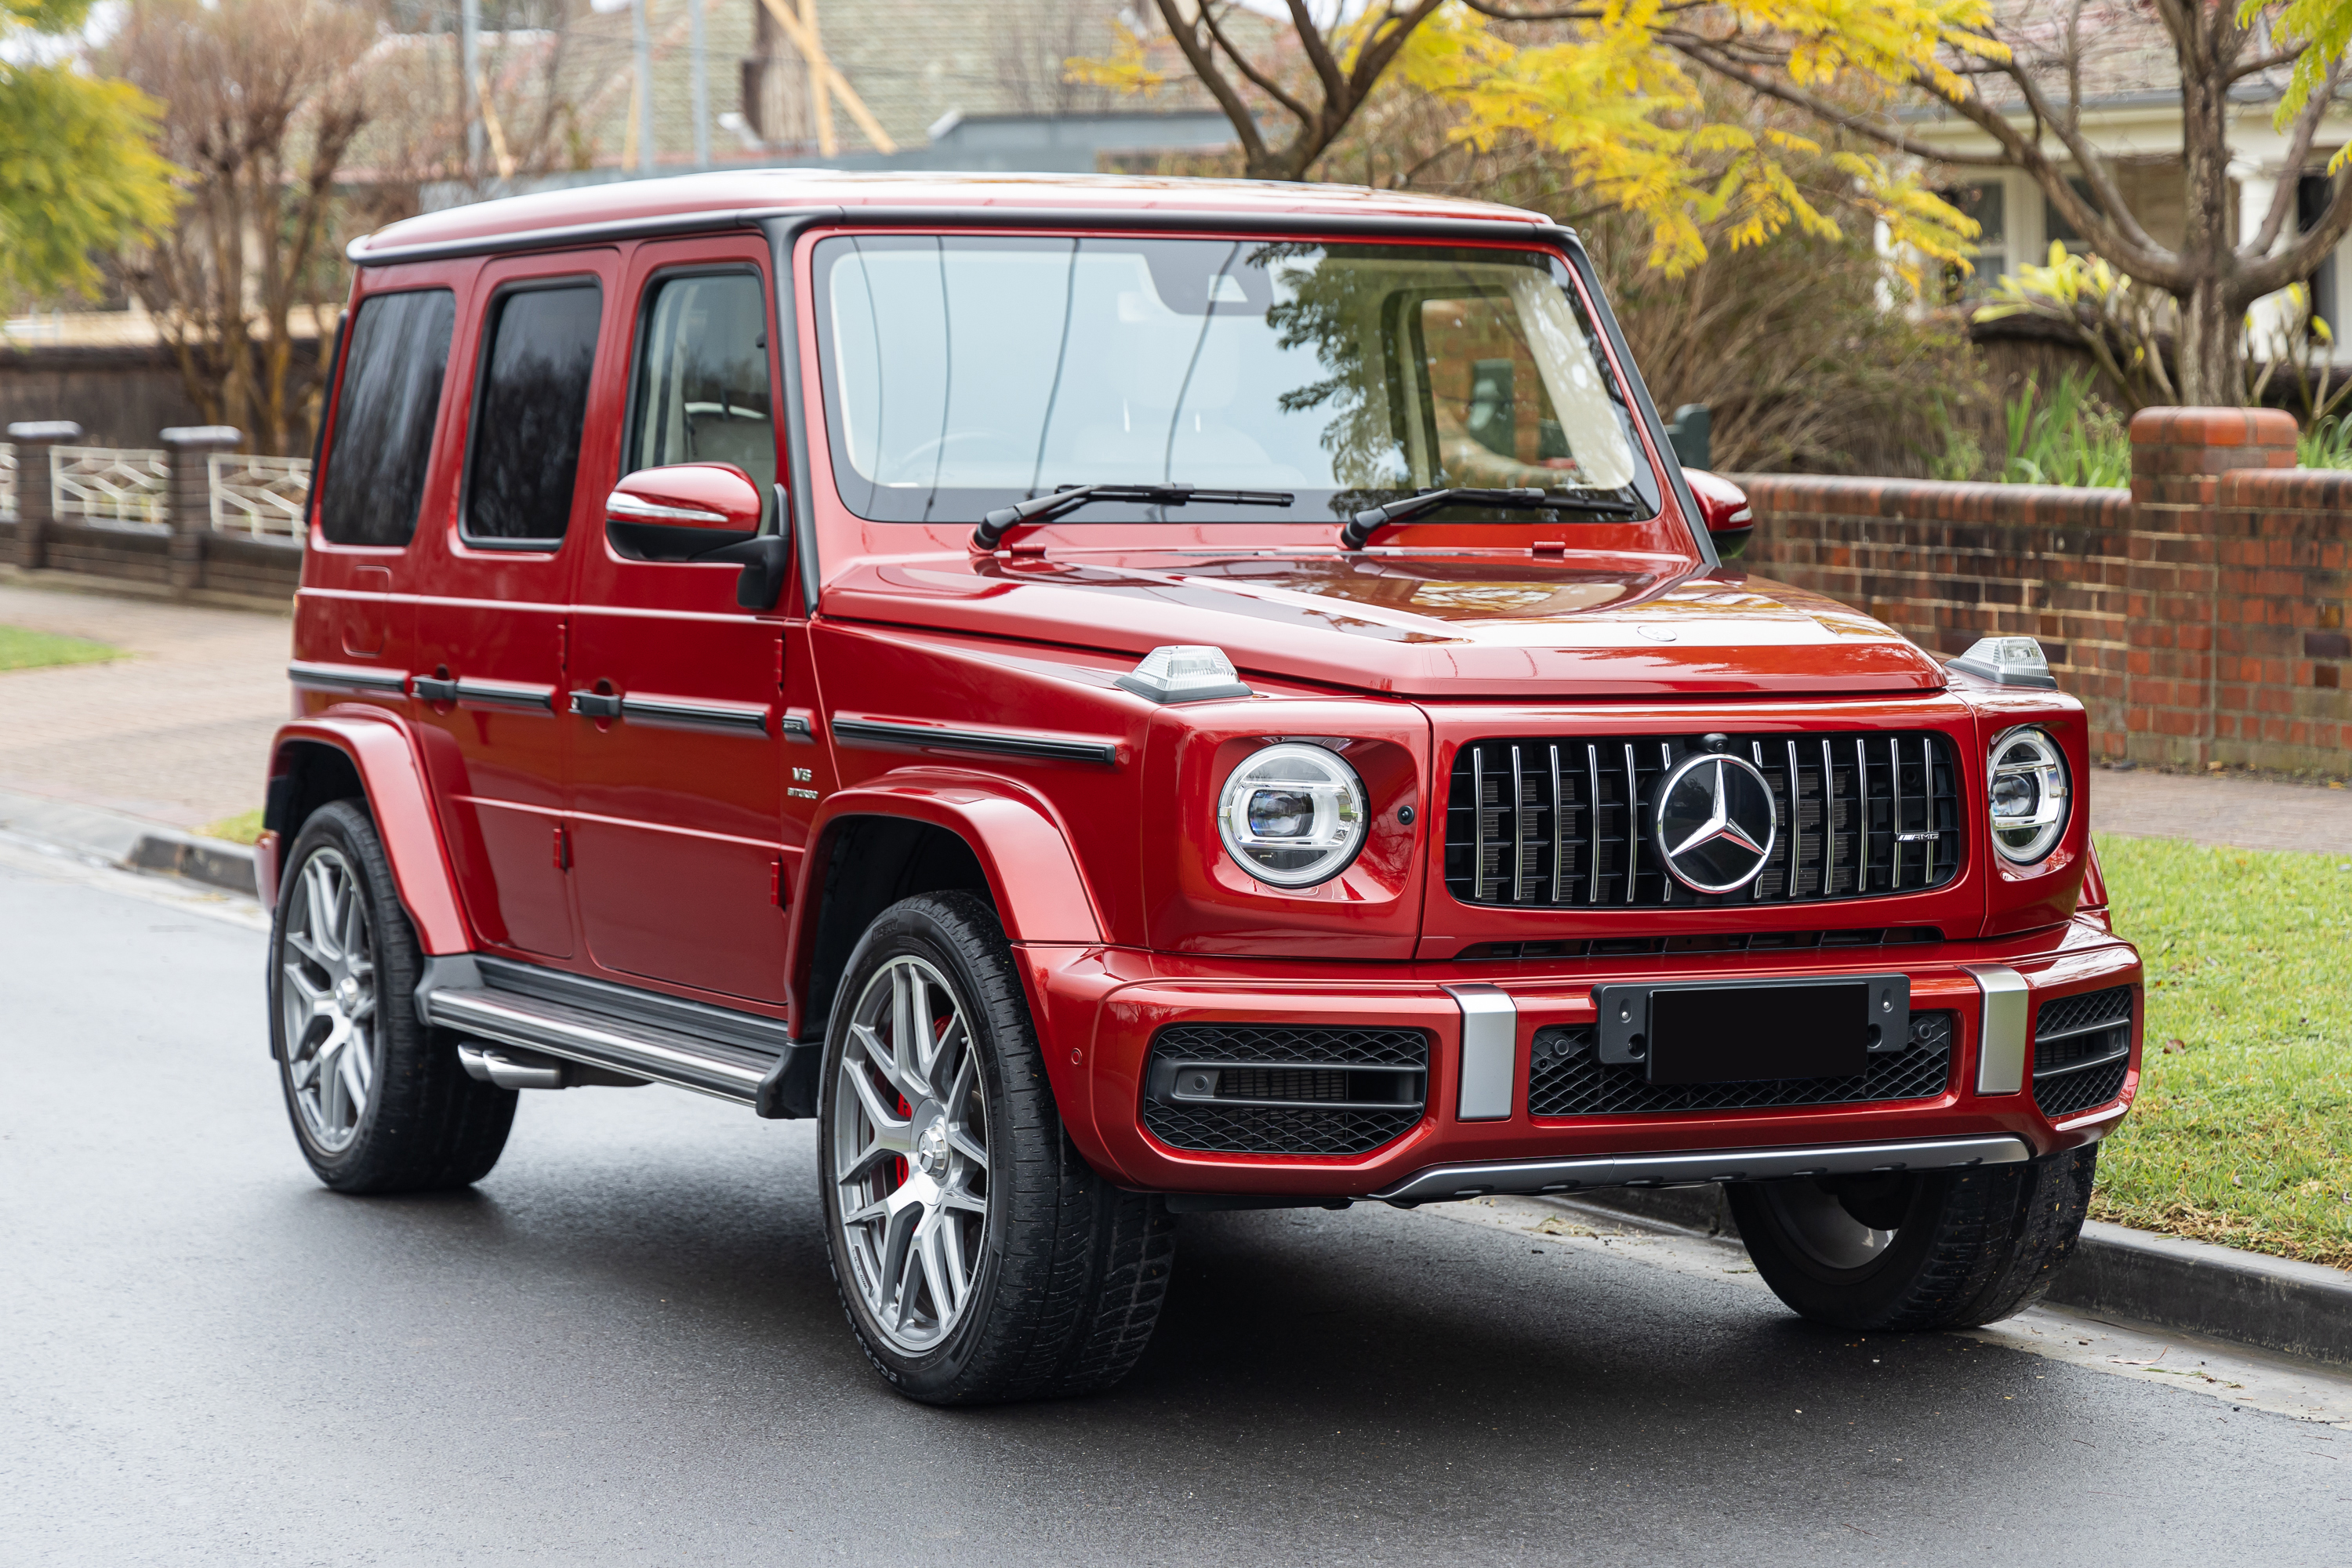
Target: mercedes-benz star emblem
[1715,823]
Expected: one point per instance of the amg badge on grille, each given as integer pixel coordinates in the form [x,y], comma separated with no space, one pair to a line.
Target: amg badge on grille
[1715,823]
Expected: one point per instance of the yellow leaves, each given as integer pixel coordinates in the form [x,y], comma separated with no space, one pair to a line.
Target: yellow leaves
[1129,68]
[79,174]
[2326,28]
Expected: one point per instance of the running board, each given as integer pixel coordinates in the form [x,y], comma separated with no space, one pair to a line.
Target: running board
[739,1057]
[1700,1167]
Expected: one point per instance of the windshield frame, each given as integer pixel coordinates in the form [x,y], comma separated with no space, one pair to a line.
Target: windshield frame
[1646,486]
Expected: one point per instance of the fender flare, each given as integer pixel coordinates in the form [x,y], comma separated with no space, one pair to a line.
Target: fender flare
[1022,849]
[384,754]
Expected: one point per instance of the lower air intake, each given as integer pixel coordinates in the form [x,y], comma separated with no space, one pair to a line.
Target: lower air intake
[1568,1078]
[2082,1050]
[1240,1088]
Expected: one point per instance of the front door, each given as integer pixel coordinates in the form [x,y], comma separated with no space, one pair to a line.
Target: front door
[489,626]
[678,756]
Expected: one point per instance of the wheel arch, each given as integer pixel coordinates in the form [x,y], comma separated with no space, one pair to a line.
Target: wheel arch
[905,835]
[338,756]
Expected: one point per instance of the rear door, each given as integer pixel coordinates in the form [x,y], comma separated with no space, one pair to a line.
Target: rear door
[674,797]
[490,640]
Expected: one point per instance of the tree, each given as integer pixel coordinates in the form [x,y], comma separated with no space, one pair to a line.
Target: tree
[77,176]
[265,98]
[1609,85]
[1599,87]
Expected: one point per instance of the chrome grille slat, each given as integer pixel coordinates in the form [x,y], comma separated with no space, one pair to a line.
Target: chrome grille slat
[1832,802]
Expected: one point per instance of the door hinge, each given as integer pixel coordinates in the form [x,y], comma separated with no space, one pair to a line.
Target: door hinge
[779,663]
[777,895]
[562,849]
[562,647]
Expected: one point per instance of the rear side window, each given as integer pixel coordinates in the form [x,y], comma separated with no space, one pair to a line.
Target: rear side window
[384,422]
[702,392]
[528,412]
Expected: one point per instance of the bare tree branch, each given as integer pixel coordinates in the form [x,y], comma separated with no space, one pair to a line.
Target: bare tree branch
[1204,65]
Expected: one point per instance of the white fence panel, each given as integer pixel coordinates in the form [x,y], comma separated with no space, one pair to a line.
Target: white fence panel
[258,495]
[111,486]
[7,479]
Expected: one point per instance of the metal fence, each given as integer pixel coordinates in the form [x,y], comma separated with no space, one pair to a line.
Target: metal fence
[130,489]
[257,495]
[111,487]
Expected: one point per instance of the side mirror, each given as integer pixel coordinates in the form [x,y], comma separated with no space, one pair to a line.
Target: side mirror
[683,512]
[1723,507]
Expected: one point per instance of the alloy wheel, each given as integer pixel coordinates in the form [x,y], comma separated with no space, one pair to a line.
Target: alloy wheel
[1819,1226]
[327,1006]
[910,1158]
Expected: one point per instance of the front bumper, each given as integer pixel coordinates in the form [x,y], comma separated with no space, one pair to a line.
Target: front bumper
[1098,1010]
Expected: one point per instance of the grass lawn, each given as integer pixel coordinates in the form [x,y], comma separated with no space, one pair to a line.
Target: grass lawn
[22,649]
[2242,1131]
[244,828]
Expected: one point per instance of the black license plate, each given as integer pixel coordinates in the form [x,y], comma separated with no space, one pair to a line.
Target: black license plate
[1742,1034]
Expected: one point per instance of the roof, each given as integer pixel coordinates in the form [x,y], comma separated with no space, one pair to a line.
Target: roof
[733,198]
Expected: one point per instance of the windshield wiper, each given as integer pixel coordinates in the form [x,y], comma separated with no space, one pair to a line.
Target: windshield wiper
[1047,508]
[1367,522]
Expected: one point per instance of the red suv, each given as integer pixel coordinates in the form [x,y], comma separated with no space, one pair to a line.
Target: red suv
[1124,698]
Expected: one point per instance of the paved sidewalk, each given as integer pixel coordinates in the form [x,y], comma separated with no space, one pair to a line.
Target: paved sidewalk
[2245,813]
[178,733]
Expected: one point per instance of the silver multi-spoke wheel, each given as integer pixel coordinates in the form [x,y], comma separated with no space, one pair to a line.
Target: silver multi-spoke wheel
[328,1001]
[1823,1229]
[908,1158]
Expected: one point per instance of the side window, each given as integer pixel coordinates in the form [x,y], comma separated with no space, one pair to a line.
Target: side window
[383,423]
[529,411]
[700,393]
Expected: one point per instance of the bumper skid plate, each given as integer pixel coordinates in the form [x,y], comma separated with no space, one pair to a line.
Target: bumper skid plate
[1700,1167]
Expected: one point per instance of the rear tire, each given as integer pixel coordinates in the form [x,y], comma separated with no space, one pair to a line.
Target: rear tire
[379,1102]
[1944,1249]
[978,1258]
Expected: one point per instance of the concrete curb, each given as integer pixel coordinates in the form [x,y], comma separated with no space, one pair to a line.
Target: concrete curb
[213,861]
[118,840]
[2246,1298]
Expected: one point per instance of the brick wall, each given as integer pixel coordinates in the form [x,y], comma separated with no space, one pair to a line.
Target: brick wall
[2198,615]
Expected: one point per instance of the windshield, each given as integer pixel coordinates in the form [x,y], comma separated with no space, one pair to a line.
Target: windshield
[966,372]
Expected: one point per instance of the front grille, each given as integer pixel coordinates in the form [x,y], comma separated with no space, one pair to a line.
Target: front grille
[2082,1050]
[1563,823]
[1243,1088]
[1566,1078]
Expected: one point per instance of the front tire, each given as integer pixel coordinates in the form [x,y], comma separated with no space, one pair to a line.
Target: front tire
[1944,1249]
[978,1258]
[379,1102]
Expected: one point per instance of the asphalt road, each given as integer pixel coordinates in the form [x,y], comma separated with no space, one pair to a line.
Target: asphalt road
[623,1347]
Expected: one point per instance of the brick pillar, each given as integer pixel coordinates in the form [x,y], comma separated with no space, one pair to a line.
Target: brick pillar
[190,498]
[35,506]
[2182,626]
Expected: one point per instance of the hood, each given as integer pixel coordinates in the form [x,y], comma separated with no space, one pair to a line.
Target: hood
[1483,624]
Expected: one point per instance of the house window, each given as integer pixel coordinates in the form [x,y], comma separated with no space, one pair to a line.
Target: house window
[1986,203]
[2311,194]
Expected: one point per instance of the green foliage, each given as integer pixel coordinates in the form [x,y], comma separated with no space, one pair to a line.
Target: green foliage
[2071,439]
[2327,445]
[2121,324]
[79,173]
[22,650]
[2243,1130]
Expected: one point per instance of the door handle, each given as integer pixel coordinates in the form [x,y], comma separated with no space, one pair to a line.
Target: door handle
[596,704]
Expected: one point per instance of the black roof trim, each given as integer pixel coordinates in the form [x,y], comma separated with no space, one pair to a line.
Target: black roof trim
[880,216]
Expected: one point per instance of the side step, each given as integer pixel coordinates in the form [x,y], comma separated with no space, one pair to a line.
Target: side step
[641,1035]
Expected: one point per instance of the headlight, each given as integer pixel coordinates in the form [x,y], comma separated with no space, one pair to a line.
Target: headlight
[1292,815]
[2026,781]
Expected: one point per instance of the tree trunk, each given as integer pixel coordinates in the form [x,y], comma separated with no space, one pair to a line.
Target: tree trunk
[2210,350]
[2211,365]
